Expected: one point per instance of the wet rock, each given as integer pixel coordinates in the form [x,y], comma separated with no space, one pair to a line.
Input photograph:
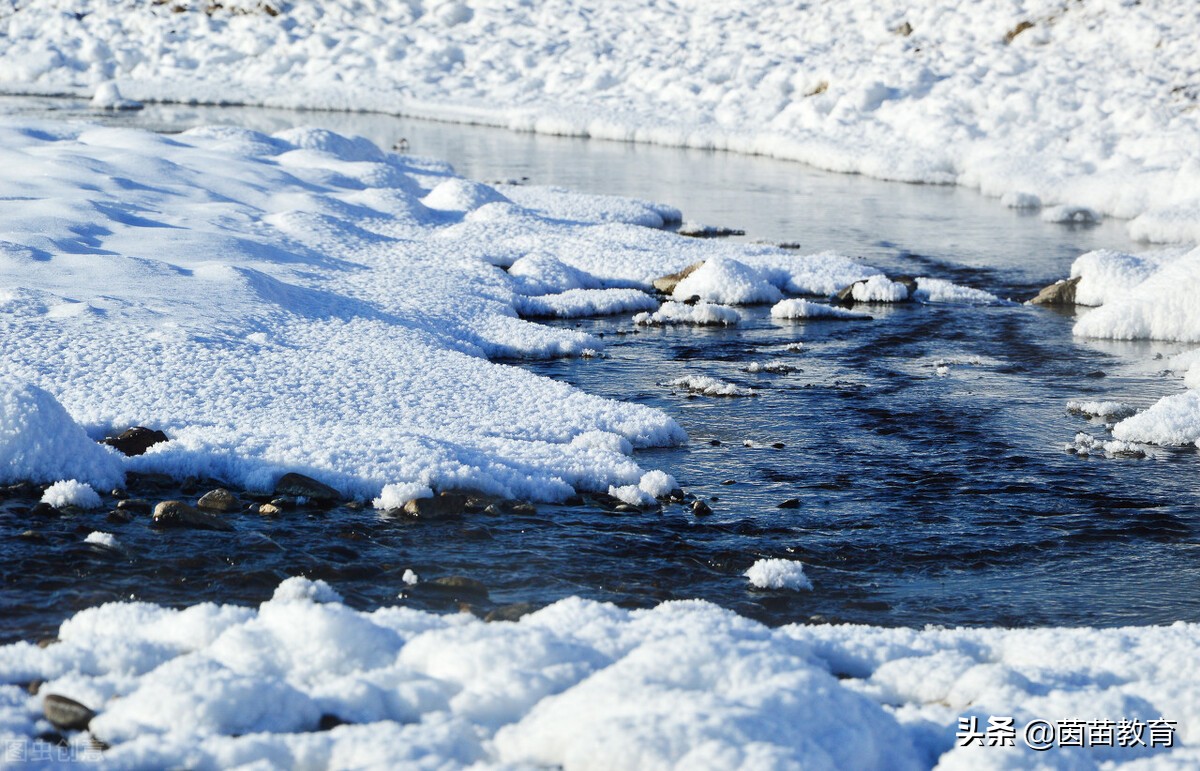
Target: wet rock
[625,508]
[136,440]
[778,445]
[1058,293]
[701,509]
[134,505]
[790,503]
[66,714]
[118,517]
[22,490]
[696,230]
[511,612]
[449,503]
[328,722]
[179,514]
[300,486]
[667,284]
[118,493]
[45,510]
[284,503]
[218,500]
[32,535]
[269,510]
[460,585]
[142,480]
[729,482]
[715,442]
[46,642]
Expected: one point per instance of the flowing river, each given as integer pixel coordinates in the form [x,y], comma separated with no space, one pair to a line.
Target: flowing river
[922,456]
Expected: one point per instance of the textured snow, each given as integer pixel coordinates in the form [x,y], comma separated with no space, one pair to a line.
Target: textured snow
[879,289]
[586,302]
[1171,421]
[1101,409]
[1149,296]
[40,442]
[582,685]
[726,281]
[805,309]
[778,574]
[70,492]
[938,290]
[293,303]
[709,386]
[1080,105]
[102,539]
[701,314]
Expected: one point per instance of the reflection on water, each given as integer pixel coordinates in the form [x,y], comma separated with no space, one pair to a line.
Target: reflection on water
[926,495]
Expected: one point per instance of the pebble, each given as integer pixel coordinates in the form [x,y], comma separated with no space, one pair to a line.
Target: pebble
[300,486]
[135,505]
[218,500]
[136,440]
[461,584]
[179,514]
[701,509]
[66,714]
[511,612]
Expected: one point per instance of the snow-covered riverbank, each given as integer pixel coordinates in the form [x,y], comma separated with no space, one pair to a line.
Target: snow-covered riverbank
[305,682]
[306,302]
[1088,104]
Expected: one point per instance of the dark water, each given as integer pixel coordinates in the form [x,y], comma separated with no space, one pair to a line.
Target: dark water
[923,497]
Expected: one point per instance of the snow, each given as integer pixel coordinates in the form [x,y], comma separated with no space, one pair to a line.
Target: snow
[709,386]
[581,684]
[410,578]
[879,289]
[937,290]
[1171,421]
[701,314]
[1084,106]
[292,303]
[574,303]
[804,309]
[70,492]
[1149,296]
[102,539]
[108,97]
[726,281]
[1100,409]
[778,574]
[658,483]
[40,442]
[1070,215]
[631,494]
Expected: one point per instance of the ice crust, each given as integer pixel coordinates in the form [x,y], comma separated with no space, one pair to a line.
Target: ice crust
[1075,106]
[582,685]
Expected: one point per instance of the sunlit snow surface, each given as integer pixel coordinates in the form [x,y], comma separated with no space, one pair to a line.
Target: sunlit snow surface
[306,302]
[1086,107]
[581,685]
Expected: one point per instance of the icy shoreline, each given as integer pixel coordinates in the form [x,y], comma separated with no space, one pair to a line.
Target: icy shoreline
[1089,106]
